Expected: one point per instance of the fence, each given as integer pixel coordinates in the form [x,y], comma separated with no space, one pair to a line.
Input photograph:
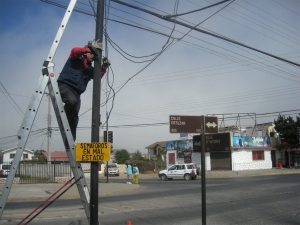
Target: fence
[35,172]
[29,172]
[152,166]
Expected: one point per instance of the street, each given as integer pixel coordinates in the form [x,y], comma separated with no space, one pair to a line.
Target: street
[247,200]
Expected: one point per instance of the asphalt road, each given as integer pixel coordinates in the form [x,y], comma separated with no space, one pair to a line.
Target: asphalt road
[249,200]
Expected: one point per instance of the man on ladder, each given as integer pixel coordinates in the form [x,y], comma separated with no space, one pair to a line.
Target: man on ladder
[74,78]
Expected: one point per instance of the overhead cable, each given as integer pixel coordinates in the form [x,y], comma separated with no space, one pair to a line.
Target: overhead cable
[203,31]
[197,10]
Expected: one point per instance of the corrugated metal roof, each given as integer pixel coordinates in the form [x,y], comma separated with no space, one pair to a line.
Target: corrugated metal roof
[57,156]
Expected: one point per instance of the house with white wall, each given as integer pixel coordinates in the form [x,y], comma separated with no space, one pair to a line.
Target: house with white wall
[8,155]
[251,158]
[244,153]
[153,148]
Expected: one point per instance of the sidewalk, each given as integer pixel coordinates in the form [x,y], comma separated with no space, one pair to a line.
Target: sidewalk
[29,192]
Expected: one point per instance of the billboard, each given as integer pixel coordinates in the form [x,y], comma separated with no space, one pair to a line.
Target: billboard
[246,141]
[184,148]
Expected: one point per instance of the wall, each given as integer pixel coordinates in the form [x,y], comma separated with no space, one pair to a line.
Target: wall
[6,156]
[151,152]
[242,160]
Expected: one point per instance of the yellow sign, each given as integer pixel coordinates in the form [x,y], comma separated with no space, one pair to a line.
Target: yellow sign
[93,152]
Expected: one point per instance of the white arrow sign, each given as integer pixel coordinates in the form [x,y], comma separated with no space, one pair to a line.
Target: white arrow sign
[197,143]
[213,125]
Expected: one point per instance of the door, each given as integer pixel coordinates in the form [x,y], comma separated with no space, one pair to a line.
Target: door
[180,171]
[176,171]
[220,160]
[171,158]
[273,158]
[172,172]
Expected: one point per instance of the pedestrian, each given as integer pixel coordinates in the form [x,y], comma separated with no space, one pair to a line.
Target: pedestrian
[129,172]
[74,78]
[135,171]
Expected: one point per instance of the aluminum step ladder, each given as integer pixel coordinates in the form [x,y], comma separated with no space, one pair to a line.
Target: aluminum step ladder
[47,79]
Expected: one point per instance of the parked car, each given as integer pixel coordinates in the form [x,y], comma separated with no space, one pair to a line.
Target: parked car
[112,170]
[186,171]
[4,169]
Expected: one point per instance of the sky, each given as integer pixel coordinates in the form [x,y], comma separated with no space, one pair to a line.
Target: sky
[172,70]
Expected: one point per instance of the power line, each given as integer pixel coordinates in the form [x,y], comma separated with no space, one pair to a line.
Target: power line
[287,8]
[12,100]
[197,10]
[205,32]
[282,71]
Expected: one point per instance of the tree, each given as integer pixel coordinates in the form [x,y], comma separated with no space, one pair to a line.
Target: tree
[137,155]
[287,129]
[122,156]
[38,156]
[161,155]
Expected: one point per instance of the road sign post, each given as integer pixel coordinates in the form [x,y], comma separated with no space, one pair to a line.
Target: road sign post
[203,182]
[196,124]
[298,134]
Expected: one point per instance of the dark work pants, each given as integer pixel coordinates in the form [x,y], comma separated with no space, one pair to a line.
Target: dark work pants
[72,101]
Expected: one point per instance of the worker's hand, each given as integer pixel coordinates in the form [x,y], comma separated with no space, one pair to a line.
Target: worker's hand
[106,63]
[97,44]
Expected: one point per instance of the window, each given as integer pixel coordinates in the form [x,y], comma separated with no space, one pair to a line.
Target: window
[12,156]
[191,166]
[180,167]
[258,155]
[25,156]
[6,167]
[173,167]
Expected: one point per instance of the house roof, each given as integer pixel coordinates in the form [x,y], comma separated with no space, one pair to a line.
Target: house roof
[57,156]
[14,149]
[160,143]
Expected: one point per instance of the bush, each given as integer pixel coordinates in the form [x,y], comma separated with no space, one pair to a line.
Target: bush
[146,167]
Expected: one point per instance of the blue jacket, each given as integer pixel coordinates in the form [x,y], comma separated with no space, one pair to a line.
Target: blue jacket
[77,72]
[129,169]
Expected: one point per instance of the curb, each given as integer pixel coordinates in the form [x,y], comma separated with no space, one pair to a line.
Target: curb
[67,197]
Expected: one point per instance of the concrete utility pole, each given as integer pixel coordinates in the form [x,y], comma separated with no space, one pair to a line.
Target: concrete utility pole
[95,115]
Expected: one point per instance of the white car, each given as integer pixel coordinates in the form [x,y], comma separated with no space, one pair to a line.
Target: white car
[112,170]
[186,171]
[4,170]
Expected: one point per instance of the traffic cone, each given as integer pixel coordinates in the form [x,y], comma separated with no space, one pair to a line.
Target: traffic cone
[128,223]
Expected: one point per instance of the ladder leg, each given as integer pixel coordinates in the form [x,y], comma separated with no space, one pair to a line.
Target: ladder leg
[68,141]
[23,136]
[34,104]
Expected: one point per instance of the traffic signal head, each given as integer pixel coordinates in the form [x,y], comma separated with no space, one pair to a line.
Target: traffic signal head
[110,137]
